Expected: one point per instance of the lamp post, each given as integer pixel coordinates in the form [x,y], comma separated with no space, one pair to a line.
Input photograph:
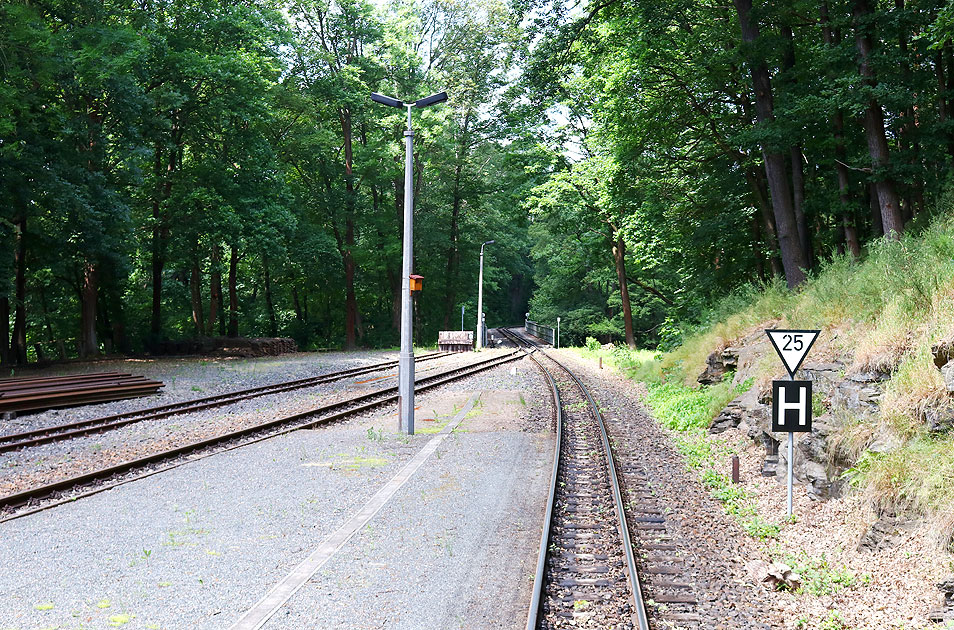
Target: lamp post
[480,298]
[406,359]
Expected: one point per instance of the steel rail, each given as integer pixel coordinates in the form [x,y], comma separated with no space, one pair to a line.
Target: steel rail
[328,413]
[639,606]
[60,432]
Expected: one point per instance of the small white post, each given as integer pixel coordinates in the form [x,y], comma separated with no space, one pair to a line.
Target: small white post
[558,333]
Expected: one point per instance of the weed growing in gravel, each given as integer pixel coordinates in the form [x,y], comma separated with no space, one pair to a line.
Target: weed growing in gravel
[819,577]
[833,621]
[43,606]
[757,528]
[375,435]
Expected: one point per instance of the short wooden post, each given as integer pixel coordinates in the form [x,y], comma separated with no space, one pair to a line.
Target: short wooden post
[735,469]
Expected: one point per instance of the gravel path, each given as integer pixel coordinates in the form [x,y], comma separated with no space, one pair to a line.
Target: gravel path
[49,462]
[195,546]
[712,549]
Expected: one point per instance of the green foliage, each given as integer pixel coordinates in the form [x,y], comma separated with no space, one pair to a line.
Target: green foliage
[819,576]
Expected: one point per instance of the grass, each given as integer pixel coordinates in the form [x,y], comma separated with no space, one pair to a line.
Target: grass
[885,312]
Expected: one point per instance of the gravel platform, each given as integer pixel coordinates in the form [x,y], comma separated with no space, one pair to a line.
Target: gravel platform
[194,547]
[48,462]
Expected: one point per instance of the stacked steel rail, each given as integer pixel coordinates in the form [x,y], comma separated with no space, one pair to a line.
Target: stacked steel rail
[50,392]
[60,432]
[586,572]
[309,419]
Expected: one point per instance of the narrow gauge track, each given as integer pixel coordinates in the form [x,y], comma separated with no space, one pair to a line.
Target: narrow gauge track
[66,431]
[586,572]
[309,419]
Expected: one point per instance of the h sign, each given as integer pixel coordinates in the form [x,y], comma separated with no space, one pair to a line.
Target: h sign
[791,406]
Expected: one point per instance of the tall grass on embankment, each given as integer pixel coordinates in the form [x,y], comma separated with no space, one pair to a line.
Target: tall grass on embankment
[881,314]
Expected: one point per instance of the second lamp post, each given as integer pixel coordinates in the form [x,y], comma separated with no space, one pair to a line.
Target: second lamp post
[480,299]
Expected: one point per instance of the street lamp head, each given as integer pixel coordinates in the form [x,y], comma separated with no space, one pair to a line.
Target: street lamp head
[440,97]
[488,242]
[386,100]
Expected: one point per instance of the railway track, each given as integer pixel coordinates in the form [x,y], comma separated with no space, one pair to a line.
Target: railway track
[586,571]
[66,431]
[309,419]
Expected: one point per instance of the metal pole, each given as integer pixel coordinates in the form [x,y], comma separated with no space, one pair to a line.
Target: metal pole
[558,333]
[480,301]
[791,456]
[462,318]
[406,360]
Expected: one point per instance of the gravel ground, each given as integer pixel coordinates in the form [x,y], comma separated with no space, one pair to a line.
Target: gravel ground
[889,589]
[49,462]
[455,548]
[712,547]
[195,546]
[894,588]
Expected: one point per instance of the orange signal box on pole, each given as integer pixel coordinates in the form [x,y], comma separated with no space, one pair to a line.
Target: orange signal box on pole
[417,282]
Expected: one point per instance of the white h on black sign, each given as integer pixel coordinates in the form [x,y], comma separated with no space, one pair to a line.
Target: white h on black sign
[791,406]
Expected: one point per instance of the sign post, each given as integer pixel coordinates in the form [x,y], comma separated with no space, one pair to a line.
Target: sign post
[791,399]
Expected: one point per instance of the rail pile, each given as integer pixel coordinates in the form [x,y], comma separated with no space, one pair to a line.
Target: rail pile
[50,392]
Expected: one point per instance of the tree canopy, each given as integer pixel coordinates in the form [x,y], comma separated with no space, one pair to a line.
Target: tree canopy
[183,168]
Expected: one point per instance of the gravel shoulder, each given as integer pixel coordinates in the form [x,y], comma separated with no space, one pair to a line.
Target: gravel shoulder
[195,546]
[891,588]
[712,547]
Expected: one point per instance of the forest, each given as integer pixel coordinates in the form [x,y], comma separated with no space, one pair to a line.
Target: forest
[174,169]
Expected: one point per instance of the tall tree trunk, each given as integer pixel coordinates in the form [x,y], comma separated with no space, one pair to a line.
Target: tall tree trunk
[269,303]
[832,38]
[874,126]
[453,249]
[619,257]
[798,203]
[757,249]
[394,274]
[195,287]
[877,229]
[19,307]
[4,330]
[160,230]
[296,302]
[215,290]
[89,294]
[347,256]
[795,152]
[233,292]
[756,180]
[793,259]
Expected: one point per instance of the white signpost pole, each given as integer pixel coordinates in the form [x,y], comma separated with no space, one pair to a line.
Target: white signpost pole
[791,463]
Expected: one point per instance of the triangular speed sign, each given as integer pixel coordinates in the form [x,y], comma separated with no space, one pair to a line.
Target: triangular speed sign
[792,346]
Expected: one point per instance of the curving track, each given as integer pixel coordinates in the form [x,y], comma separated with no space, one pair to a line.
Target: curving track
[586,572]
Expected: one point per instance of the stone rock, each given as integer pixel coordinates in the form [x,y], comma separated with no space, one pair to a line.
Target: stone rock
[943,352]
[885,533]
[885,443]
[947,372]
[779,575]
[730,417]
[718,364]
[939,419]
